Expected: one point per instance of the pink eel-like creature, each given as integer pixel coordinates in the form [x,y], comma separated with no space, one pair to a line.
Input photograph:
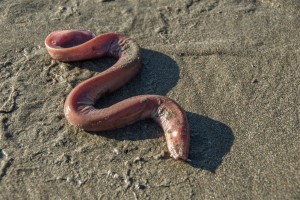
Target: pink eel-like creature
[76,45]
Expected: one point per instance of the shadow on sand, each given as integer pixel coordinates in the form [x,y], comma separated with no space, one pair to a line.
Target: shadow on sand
[211,140]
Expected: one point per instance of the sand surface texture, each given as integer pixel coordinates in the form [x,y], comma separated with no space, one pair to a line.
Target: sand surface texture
[233,65]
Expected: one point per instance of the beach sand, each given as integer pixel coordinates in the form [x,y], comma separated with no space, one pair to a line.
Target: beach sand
[233,65]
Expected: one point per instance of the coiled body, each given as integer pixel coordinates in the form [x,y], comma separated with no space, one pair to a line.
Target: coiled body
[75,45]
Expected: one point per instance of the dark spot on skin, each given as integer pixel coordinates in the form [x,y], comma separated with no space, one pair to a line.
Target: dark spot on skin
[160,112]
[125,47]
[167,113]
[145,100]
[163,112]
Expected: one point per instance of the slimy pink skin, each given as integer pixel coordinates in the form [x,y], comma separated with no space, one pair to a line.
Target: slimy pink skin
[75,45]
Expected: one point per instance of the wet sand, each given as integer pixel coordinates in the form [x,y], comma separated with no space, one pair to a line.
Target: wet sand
[232,65]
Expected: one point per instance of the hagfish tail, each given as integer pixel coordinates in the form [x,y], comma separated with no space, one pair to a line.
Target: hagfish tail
[79,108]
